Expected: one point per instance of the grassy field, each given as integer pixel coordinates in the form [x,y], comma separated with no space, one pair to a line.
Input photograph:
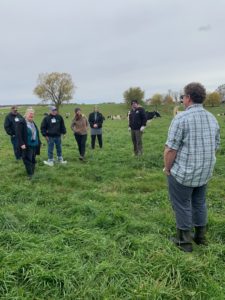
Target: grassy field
[100,229]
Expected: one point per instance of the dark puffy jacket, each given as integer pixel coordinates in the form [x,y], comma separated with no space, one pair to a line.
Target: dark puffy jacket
[11,122]
[53,126]
[137,118]
[99,120]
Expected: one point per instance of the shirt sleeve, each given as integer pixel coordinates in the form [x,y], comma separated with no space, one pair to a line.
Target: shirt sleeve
[63,128]
[44,127]
[143,117]
[218,138]
[175,134]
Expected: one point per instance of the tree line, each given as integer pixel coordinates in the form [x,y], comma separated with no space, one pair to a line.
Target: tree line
[58,88]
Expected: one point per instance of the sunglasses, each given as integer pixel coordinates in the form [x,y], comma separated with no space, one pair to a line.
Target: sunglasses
[182,96]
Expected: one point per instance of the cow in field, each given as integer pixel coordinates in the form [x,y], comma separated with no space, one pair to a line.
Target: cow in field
[67,115]
[152,114]
[221,114]
[114,117]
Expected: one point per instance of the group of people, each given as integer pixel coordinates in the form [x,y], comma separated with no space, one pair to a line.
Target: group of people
[189,155]
[25,137]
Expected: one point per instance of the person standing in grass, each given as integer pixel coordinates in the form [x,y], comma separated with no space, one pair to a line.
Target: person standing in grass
[95,120]
[28,141]
[137,123]
[80,127]
[189,159]
[11,121]
[52,127]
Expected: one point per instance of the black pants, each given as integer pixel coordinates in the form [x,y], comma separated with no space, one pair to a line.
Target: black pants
[14,142]
[81,142]
[28,156]
[93,138]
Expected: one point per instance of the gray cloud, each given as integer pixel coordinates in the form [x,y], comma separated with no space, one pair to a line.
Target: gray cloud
[108,46]
[204,28]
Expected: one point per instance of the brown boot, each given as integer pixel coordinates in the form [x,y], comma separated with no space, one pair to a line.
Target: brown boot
[199,236]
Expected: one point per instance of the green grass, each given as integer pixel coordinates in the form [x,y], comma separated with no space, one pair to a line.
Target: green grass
[100,229]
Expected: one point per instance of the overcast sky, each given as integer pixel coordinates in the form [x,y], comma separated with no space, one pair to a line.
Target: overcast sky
[109,46]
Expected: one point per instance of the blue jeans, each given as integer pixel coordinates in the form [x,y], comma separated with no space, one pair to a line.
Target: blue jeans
[14,142]
[189,204]
[57,142]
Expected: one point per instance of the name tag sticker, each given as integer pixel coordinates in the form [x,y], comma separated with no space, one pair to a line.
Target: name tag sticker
[17,119]
[53,120]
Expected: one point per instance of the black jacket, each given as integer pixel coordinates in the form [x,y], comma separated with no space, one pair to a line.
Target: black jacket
[137,118]
[53,126]
[11,122]
[21,134]
[99,120]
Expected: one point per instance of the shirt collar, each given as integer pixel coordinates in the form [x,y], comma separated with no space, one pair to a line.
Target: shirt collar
[195,105]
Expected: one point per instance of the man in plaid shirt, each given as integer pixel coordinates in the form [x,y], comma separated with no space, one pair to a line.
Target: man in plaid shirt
[189,159]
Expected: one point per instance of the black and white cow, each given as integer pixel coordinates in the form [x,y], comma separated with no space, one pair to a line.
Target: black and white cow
[152,114]
[114,117]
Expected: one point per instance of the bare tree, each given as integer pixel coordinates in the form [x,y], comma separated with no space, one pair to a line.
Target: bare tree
[55,87]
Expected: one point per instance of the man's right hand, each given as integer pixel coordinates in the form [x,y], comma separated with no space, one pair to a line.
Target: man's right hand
[23,147]
[166,171]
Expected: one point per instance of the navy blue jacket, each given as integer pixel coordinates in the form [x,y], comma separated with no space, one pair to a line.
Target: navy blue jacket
[11,122]
[137,118]
[53,126]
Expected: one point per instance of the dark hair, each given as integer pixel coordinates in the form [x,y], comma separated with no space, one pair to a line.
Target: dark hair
[134,101]
[77,109]
[196,91]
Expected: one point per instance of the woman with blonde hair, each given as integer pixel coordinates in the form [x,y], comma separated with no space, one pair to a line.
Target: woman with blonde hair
[28,141]
[80,126]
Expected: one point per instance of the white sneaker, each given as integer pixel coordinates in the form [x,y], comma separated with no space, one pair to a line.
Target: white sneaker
[49,163]
[62,161]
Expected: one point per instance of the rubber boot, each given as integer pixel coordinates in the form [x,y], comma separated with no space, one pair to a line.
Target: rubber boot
[199,236]
[183,240]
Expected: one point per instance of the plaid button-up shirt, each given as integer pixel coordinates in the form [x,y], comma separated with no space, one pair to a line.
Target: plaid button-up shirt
[195,134]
